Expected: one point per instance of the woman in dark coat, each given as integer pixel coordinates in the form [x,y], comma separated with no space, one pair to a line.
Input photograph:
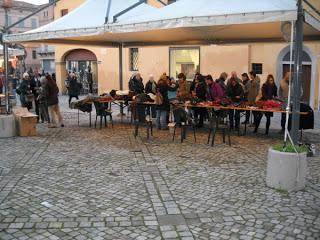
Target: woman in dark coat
[200,92]
[74,88]
[162,109]
[269,92]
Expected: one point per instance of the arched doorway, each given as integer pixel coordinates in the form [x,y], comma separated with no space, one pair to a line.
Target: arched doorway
[308,72]
[83,63]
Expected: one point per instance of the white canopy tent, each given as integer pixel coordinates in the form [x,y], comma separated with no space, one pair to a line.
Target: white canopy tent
[87,20]
[183,22]
[12,51]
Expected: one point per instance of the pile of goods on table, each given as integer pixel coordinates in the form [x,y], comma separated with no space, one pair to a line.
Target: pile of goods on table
[275,104]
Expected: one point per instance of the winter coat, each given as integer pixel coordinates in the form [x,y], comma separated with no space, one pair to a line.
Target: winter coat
[74,88]
[136,85]
[151,87]
[221,82]
[284,89]
[163,90]
[234,91]
[201,91]
[52,93]
[24,90]
[183,89]
[215,92]
[253,88]
[269,91]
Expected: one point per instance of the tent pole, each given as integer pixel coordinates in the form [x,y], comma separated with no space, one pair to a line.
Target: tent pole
[6,84]
[297,74]
[121,75]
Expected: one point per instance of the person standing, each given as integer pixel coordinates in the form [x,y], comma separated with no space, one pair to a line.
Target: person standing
[253,88]
[283,94]
[269,92]
[1,81]
[236,93]
[136,84]
[73,88]
[183,86]
[246,84]
[222,81]
[25,92]
[42,100]
[163,108]
[90,80]
[199,92]
[53,103]
[151,88]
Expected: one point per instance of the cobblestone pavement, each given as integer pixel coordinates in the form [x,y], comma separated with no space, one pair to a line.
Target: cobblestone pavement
[85,183]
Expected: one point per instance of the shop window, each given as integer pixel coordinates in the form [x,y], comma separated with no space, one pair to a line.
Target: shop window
[257,68]
[134,59]
[64,12]
[184,60]
[34,54]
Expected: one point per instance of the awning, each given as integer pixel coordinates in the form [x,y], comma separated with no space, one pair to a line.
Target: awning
[183,22]
[12,51]
[87,20]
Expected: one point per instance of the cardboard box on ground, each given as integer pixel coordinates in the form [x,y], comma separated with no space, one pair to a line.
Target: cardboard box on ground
[26,122]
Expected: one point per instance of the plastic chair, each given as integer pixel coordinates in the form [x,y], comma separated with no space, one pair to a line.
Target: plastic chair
[219,121]
[102,112]
[186,121]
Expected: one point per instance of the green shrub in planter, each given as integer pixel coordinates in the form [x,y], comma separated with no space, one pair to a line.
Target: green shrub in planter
[289,148]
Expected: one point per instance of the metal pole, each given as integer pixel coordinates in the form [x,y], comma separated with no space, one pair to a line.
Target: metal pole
[6,63]
[121,75]
[121,66]
[297,74]
[6,85]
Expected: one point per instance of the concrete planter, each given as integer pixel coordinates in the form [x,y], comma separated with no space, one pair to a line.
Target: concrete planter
[7,126]
[286,171]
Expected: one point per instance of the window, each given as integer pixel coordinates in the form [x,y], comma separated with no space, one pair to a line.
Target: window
[134,59]
[64,12]
[34,54]
[184,60]
[257,68]
[21,24]
[34,23]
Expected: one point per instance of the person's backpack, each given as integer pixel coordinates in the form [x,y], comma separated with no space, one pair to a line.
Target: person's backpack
[159,98]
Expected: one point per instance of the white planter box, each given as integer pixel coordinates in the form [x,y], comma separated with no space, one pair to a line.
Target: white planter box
[286,171]
[7,126]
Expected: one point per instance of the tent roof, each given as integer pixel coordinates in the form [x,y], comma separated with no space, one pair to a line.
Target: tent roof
[86,20]
[183,22]
[12,51]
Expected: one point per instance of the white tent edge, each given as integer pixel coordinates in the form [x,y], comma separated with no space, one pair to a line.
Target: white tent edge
[232,19]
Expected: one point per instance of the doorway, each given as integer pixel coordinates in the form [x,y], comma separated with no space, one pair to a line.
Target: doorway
[306,80]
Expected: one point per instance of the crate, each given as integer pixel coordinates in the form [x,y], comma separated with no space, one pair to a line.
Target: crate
[27,125]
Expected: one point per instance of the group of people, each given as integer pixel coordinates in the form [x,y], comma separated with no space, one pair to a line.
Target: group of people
[246,88]
[41,91]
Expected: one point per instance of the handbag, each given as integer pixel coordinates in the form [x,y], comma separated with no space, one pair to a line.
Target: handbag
[159,98]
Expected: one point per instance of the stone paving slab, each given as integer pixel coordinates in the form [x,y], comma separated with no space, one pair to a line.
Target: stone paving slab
[82,183]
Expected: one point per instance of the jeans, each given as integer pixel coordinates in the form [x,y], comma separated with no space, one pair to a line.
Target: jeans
[161,121]
[234,116]
[55,115]
[44,112]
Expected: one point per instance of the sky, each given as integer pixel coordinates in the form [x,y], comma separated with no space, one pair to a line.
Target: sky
[36,1]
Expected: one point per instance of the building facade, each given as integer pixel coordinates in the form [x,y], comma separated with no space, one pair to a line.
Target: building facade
[264,58]
[19,10]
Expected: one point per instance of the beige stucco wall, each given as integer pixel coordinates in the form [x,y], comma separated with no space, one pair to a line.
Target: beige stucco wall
[217,59]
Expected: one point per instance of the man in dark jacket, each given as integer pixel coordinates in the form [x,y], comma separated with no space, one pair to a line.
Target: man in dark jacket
[74,88]
[24,91]
[236,94]
[53,103]
[136,84]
